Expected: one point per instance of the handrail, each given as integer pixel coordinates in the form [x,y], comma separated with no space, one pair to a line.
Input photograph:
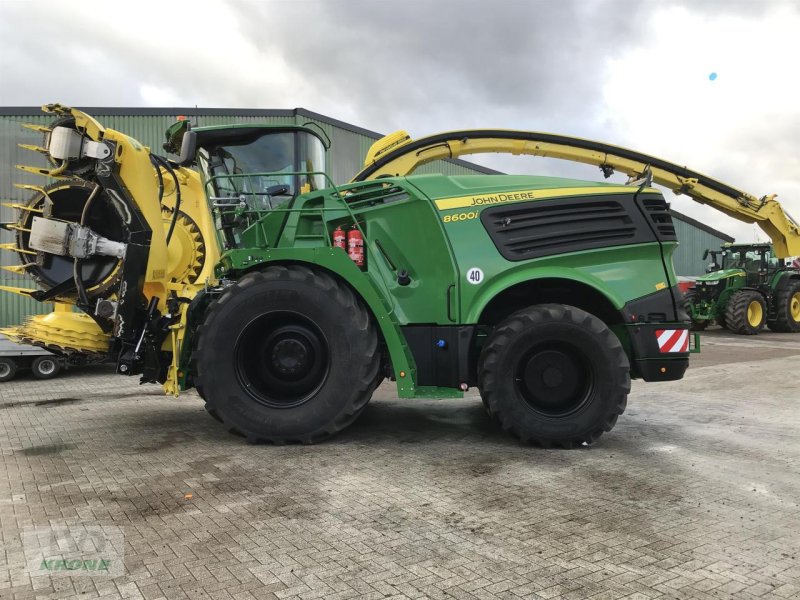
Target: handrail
[337,193]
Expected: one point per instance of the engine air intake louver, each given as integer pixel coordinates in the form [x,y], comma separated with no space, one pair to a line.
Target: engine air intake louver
[657,209]
[548,227]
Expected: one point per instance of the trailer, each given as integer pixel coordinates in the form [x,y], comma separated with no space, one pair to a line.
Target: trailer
[13,357]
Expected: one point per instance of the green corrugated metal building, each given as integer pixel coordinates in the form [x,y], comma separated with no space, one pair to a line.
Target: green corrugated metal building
[694,237]
[349,146]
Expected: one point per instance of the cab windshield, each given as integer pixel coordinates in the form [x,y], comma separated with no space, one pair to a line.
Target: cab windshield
[736,259]
[249,179]
[268,171]
[748,260]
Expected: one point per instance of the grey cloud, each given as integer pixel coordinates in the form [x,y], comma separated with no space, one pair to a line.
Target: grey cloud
[448,60]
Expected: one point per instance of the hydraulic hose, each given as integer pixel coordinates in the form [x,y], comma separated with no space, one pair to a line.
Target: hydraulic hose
[159,161]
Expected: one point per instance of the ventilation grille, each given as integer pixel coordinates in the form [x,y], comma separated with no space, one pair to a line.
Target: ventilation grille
[377,193]
[657,209]
[549,227]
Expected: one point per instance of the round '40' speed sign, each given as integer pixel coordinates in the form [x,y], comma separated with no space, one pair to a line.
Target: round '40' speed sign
[474,276]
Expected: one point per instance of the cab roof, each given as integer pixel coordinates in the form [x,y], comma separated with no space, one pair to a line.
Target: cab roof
[215,135]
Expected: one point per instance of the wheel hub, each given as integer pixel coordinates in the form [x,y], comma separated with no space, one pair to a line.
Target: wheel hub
[4,369]
[290,356]
[754,313]
[552,377]
[47,366]
[554,381]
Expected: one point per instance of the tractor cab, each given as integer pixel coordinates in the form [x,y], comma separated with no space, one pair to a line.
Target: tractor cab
[251,170]
[756,260]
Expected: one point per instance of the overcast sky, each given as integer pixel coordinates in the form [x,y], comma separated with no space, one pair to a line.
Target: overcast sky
[632,73]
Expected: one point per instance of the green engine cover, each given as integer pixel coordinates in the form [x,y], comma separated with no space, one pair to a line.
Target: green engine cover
[439,249]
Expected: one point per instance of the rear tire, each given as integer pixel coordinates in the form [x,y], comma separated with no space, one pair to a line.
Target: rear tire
[553,374]
[787,309]
[287,354]
[45,367]
[746,312]
[8,369]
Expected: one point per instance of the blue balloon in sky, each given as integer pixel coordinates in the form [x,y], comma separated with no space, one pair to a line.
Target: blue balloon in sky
[712,76]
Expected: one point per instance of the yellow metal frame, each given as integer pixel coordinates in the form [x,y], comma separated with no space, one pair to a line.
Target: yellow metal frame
[174,267]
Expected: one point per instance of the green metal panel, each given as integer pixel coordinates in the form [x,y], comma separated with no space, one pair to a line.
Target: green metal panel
[14,308]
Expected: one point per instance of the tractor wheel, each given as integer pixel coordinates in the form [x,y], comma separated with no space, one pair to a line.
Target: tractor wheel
[8,368]
[746,312]
[787,309]
[554,375]
[287,354]
[688,299]
[45,367]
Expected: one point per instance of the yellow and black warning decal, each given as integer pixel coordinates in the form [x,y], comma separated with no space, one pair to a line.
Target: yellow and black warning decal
[523,195]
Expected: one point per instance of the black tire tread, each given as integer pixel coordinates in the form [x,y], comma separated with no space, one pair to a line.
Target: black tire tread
[516,323]
[783,322]
[688,297]
[365,382]
[736,312]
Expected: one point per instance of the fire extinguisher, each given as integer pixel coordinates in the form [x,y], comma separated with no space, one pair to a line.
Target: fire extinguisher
[339,238]
[355,246]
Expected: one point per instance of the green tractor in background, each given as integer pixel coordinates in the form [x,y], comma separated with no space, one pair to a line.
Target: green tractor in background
[748,289]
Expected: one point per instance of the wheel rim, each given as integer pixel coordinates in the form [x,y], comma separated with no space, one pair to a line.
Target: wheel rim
[555,379]
[282,359]
[794,307]
[5,370]
[755,313]
[46,366]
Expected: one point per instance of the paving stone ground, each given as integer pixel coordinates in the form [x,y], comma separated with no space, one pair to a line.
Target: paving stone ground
[693,495]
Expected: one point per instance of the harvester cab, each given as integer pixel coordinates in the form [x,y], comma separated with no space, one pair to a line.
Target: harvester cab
[251,171]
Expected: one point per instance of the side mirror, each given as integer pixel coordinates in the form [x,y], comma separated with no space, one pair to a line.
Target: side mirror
[277,190]
[705,254]
[188,148]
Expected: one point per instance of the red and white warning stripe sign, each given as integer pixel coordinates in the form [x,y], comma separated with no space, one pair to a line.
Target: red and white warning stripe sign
[673,340]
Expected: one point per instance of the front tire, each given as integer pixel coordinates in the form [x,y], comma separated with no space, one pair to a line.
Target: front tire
[287,354]
[553,374]
[688,299]
[746,312]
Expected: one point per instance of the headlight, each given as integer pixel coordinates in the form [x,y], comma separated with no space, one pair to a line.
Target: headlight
[710,282]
